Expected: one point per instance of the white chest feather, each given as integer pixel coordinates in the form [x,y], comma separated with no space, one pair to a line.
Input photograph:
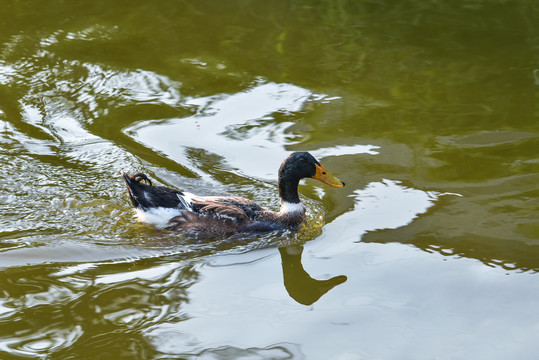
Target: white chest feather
[292,208]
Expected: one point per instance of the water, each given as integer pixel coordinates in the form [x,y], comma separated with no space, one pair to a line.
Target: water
[427,110]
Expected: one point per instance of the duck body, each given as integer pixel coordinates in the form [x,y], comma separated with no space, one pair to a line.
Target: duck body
[223,216]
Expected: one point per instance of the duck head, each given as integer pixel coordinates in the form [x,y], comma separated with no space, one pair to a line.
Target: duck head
[300,165]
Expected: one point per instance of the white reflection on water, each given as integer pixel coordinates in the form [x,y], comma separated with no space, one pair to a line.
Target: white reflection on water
[238,127]
[154,273]
[7,72]
[217,115]
[381,205]
[341,150]
[60,124]
[41,343]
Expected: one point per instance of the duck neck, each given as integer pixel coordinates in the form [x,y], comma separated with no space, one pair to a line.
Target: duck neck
[290,202]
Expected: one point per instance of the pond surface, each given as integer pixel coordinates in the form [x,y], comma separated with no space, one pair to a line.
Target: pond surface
[429,111]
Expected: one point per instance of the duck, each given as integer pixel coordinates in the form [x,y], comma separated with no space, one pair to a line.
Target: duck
[224,216]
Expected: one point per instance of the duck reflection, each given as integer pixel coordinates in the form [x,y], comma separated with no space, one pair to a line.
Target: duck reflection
[298,283]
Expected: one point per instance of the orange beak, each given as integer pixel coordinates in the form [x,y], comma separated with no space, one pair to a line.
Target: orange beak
[325,177]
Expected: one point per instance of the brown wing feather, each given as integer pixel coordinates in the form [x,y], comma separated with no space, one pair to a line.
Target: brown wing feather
[224,211]
[228,206]
[200,224]
[223,216]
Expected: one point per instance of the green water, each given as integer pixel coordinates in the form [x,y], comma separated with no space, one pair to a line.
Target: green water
[428,110]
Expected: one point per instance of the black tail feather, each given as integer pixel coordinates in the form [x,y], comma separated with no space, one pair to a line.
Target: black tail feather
[145,196]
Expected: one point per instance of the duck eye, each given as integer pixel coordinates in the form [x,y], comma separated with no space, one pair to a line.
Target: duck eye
[323,173]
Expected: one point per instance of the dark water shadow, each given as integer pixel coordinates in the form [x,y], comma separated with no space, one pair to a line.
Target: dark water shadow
[298,283]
